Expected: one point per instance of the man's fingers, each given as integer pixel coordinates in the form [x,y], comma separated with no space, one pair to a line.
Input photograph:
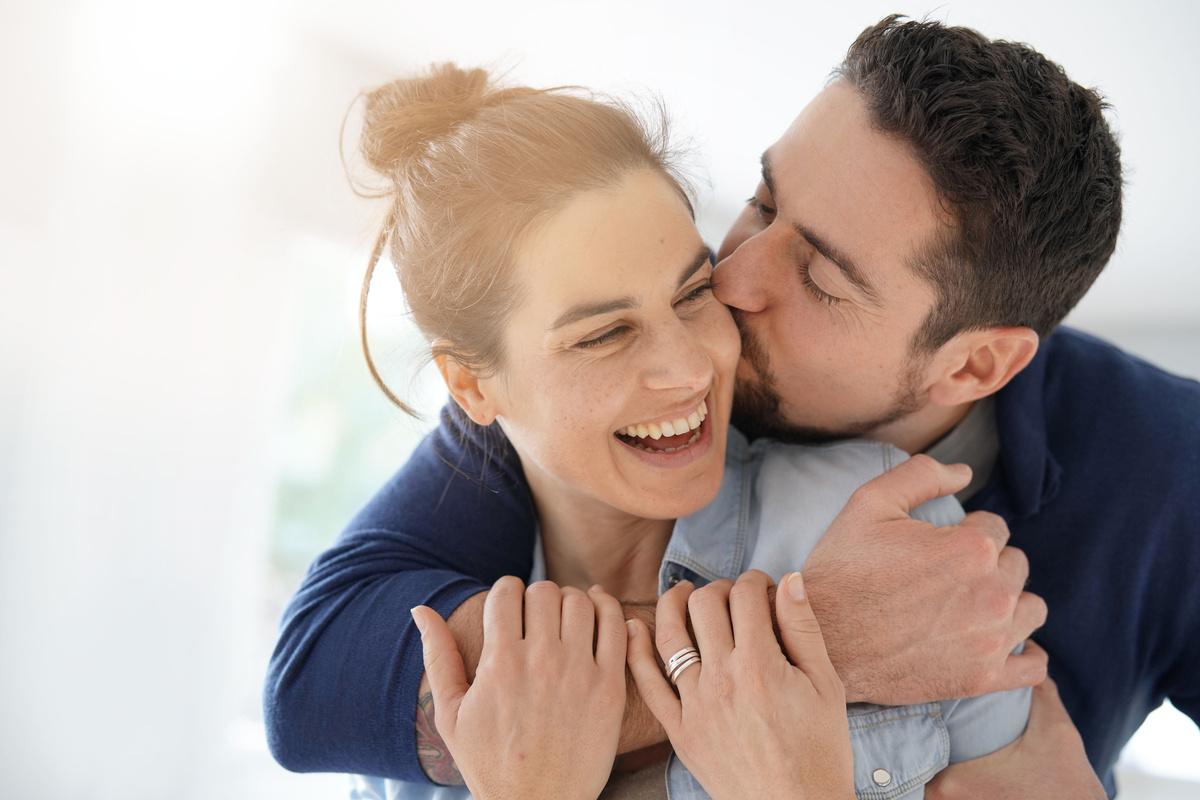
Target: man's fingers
[988,523]
[918,480]
[1029,615]
[1024,669]
[443,666]
[652,686]
[1047,711]
[1015,566]
[801,633]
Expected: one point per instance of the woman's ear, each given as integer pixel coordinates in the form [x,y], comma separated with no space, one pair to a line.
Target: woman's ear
[984,362]
[472,395]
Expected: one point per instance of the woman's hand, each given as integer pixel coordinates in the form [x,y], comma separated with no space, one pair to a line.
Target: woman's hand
[542,718]
[748,723]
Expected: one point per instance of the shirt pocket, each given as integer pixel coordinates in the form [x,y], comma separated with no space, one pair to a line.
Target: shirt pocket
[897,749]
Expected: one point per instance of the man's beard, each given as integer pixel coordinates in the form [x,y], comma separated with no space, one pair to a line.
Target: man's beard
[756,408]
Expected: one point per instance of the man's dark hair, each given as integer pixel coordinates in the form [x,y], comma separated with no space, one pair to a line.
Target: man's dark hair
[1021,157]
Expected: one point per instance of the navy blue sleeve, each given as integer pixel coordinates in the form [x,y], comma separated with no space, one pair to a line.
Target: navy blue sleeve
[341,690]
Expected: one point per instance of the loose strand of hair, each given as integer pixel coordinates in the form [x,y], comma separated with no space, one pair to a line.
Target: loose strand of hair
[376,254]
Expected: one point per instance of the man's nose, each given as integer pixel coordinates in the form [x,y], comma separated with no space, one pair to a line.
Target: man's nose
[740,278]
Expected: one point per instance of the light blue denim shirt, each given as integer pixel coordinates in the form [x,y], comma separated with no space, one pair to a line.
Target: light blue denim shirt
[774,504]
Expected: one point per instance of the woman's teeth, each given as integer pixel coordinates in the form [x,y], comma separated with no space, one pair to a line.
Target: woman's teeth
[675,427]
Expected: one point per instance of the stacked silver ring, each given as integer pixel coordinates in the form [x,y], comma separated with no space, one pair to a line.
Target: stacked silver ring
[677,663]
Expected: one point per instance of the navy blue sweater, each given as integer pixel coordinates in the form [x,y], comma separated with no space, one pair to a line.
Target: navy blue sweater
[1098,479]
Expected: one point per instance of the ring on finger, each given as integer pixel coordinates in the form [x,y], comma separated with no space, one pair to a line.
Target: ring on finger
[680,656]
[677,663]
[678,669]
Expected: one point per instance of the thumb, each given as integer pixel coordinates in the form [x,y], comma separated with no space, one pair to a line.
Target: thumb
[1047,710]
[800,631]
[444,668]
[913,482]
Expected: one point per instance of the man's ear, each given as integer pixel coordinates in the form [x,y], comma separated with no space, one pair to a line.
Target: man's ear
[982,362]
[472,395]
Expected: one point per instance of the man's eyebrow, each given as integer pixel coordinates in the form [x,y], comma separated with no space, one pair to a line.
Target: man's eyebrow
[766,172]
[846,265]
[584,310]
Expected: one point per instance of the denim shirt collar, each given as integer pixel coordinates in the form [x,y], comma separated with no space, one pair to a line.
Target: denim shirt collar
[701,548]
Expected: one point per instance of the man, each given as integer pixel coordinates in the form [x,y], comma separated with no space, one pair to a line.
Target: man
[919,232]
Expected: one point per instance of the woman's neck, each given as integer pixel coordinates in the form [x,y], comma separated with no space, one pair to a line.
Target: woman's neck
[588,542]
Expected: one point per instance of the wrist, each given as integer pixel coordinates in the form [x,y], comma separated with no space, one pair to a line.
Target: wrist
[639,727]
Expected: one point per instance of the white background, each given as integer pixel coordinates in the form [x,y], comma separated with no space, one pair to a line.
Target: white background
[162,164]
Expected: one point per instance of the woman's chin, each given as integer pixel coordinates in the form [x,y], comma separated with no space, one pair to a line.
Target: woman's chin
[683,480]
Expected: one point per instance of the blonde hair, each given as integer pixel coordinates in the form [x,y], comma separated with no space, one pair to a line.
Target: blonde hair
[470,168]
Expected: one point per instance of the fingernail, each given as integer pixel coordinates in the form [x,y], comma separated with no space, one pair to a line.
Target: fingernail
[596,588]
[417,618]
[795,587]
[630,628]
[961,469]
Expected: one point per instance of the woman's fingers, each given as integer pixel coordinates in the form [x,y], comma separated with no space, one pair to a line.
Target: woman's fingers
[578,620]
[443,666]
[750,611]
[652,686]
[611,634]
[801,634]
[503,618]
[543,611]
[670,625]
[709,610]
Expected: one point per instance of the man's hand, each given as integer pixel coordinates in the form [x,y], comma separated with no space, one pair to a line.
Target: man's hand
[912,613]
[1047,762]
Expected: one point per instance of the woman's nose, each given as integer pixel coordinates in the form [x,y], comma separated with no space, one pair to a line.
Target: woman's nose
[678,360]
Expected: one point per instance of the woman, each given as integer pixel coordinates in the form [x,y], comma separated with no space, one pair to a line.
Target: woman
[547,251]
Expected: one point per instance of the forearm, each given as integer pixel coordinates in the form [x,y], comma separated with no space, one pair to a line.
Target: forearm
[347,662]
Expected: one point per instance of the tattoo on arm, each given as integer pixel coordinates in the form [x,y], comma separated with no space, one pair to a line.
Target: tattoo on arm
[432,752]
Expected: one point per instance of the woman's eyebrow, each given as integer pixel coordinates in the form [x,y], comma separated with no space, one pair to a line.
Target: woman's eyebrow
[585,310]
[703,256]
[582,311]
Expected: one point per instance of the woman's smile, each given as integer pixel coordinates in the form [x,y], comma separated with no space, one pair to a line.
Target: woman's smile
[669,435]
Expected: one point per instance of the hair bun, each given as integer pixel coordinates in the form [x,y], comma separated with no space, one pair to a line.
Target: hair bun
[402,117]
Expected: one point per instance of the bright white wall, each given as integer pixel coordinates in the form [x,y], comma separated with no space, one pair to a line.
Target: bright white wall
[157,163]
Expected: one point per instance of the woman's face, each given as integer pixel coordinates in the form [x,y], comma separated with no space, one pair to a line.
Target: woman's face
[618,338]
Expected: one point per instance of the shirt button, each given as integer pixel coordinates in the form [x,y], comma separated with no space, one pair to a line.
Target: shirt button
[881,777]
[671,581]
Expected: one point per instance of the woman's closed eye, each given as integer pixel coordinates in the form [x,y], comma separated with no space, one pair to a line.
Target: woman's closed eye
[610,335]
[698,293]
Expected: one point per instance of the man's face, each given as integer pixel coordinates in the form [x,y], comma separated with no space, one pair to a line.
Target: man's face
[816,271]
